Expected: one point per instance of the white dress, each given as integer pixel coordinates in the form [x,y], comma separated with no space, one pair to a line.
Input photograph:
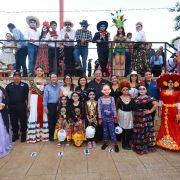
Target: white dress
[7,56]
[133,92]
[66,91]
[37,128]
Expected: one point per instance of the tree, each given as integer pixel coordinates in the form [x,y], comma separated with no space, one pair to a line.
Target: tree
[176,19]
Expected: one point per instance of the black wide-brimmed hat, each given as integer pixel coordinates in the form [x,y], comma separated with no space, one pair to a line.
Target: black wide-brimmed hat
[102,23]
[84,22]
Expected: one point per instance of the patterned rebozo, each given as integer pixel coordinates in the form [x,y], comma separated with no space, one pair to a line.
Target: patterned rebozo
[35,89]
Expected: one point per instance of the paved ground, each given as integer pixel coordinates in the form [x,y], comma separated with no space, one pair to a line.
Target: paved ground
[98,165]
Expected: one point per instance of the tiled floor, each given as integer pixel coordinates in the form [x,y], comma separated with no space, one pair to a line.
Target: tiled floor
[98,165]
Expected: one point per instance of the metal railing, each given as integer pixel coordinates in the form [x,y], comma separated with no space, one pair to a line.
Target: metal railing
[60,64]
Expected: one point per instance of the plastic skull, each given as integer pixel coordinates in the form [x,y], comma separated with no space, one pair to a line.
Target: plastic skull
[61,135]
[118,130]
[90,132]
[78,138]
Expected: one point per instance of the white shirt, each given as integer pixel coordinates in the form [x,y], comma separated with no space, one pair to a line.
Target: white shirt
[32,34]
[141,37]
[71,35]
[52,44]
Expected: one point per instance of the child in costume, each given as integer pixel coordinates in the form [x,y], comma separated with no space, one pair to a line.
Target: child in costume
[107,116]
[91,115]
[63,121]
[124,107]
[77,114]
[7,56]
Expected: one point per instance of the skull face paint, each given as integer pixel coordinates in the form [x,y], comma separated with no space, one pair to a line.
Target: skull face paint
[142,90]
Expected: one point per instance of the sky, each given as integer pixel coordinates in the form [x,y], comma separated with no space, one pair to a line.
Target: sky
[157,24]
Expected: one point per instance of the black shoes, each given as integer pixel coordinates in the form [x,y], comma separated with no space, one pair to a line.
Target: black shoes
[116,148]
[126,147]
[14,138]
[104,146]
[23,138]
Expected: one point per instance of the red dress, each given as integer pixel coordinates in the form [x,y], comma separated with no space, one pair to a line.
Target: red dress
[169,133]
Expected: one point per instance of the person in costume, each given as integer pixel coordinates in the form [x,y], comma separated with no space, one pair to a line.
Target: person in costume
[119,46]
[133,78]
[91,115]
[107,116]
[101,39]
[63,121]
[53,51]
[42,56]
[77,113]
[124,107]
[140,58]
[5,135]
[169,134]
[143,139]
[37,122]
[7,56]
[83,36]
[67,35]
[32,35]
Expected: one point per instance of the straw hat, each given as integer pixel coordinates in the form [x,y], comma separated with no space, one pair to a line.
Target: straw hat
[28,18]
[133,73]
[68,21]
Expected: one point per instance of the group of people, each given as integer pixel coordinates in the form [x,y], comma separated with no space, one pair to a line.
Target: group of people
[91,111]
[56,50]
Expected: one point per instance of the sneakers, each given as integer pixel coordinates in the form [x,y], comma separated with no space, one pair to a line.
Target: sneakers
[116,148]
[89,145]
[94,144]
[104,146]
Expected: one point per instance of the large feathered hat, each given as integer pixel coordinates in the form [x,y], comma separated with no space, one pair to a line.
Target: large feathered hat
[118,19]
[162,81]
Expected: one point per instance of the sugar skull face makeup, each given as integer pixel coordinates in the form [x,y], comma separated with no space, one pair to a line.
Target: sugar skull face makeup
[142,90]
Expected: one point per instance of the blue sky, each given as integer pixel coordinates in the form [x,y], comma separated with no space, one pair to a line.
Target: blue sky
[158,24]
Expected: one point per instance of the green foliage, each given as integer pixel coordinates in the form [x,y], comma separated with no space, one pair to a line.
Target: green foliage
[177,18]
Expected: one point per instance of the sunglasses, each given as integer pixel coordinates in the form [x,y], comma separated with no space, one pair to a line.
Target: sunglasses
[67,24]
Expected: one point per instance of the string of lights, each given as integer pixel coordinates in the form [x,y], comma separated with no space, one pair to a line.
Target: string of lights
[84,11]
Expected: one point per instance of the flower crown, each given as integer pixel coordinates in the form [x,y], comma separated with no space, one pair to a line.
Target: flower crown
[124,83]
[46,24]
